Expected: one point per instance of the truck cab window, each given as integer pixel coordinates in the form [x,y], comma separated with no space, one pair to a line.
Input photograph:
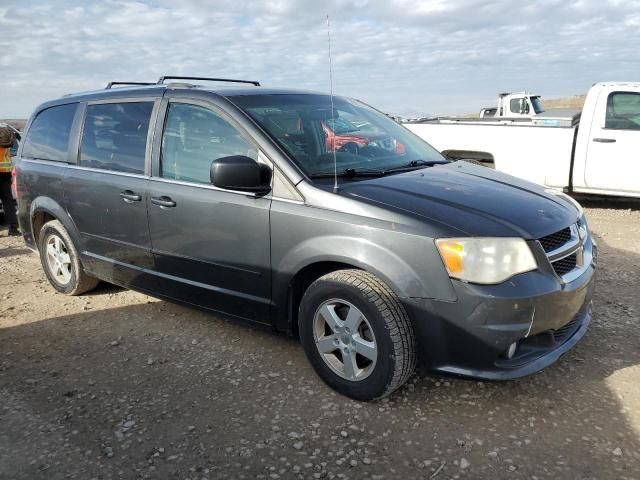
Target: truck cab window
[623,111]
[519,106]
[537,105]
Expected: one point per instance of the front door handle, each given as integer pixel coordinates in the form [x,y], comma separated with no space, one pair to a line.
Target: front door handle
[163,201]
[129,197]
[605,140]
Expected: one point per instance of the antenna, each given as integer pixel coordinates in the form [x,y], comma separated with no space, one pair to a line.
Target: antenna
[333,118]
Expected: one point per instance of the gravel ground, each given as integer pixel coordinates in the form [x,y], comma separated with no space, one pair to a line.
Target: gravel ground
[115,384]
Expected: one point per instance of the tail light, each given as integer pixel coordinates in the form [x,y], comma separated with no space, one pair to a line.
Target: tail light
[14,183]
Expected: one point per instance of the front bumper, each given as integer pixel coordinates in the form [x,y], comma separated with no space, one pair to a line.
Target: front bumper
[470,337]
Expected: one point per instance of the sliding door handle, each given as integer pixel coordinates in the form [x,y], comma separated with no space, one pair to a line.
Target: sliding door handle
[163,201]
[605,140]
[129,197]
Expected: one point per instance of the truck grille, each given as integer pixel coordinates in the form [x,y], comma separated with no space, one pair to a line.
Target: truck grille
[556,240]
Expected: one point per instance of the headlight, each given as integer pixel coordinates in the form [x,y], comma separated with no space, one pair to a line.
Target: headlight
[583,229]
[485,260]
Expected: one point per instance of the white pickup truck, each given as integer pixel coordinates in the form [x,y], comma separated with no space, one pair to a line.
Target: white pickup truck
[595,152]
[512,105]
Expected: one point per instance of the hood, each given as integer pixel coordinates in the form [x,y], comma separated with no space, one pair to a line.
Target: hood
[469,199]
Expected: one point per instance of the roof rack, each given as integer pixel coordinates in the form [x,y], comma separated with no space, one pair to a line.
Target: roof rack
[230,80]
[111,84]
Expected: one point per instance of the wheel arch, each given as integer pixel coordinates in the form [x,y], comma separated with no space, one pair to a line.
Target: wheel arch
[301,281]
[310,261]
[44,209]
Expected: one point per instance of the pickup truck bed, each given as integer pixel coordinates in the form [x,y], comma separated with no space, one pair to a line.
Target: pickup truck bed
[594,152]
[543,153]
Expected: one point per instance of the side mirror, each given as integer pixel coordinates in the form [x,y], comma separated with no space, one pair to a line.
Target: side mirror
[238,172]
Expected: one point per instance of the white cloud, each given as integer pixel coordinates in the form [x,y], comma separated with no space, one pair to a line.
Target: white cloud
[405,56]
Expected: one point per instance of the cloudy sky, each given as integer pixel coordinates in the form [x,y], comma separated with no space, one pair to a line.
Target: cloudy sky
[404,56]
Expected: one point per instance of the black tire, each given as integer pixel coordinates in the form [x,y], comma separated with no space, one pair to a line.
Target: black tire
[79,282]
[392,332]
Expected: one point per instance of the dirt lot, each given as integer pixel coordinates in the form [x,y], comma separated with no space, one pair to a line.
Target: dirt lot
[115,384]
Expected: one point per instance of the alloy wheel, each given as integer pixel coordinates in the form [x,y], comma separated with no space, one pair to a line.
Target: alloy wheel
[345,340]
[58,259]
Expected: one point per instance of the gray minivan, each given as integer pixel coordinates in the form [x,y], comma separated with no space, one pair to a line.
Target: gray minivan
[316,215]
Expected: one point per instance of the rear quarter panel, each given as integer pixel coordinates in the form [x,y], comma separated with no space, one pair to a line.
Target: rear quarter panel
[40,190]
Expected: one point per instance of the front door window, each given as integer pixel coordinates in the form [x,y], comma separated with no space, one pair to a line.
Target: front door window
[194,137]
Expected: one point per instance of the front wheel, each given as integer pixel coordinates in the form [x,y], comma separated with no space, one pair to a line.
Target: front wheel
[356,334]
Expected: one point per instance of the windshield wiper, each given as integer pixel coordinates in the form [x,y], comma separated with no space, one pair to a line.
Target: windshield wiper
[414,165]
[350,173]
[370,172]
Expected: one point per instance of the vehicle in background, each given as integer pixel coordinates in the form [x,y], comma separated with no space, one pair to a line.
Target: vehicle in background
[378,258]
[514,105]
[594,152]
[352,136]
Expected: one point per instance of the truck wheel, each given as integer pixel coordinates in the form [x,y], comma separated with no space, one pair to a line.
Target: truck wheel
[356,334]
[61,262]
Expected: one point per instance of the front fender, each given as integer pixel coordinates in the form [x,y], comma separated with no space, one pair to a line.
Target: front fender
[412,274]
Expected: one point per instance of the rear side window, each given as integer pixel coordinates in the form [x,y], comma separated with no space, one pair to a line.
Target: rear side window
[114,136]
[193,138]
[48,136]
[623,111]
[519,105]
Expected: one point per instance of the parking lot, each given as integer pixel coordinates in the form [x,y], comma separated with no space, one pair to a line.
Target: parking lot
[115,384]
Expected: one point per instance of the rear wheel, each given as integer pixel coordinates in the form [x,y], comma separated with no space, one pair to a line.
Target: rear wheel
[357,335]
[61,262]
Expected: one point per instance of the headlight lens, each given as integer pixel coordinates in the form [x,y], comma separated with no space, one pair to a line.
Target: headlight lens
[583,229]
[485,260]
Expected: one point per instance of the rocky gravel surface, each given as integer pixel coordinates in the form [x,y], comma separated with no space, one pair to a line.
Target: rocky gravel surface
[115,384]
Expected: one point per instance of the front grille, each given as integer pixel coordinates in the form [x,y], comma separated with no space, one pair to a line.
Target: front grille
[565,249]
[565,265]
[556,240]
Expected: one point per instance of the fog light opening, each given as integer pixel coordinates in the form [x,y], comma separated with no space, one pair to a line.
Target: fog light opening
[511,351]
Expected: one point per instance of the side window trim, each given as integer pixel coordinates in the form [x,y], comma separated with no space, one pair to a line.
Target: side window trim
[76,132]
[81,116]
[609,98]
[158,129]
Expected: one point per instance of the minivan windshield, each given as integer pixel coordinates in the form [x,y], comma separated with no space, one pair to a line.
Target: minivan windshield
[364,139]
